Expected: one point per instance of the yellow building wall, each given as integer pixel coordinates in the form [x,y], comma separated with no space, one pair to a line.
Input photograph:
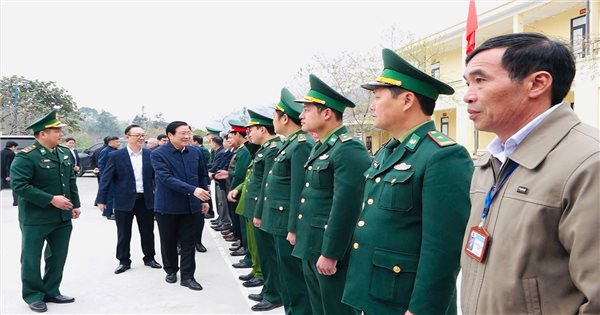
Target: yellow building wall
[451,114]
[558,26]
[450,65]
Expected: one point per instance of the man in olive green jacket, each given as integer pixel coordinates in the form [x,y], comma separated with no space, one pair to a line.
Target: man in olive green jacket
[284,183]
[407,243]
[42,176]
[331,198]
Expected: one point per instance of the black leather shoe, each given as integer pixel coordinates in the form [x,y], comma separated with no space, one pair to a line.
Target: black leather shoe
[233,248]
[122,268]
[237,243]
[246,278]
[241,265]
[253,283]
[171,278]
[226,232]
[216,226]
[214,221]
[255,297]
[153,264]
[200,248]
[239,252]
[60,299]
[192,284]
[38,306]
[111,217]
[264,305]
[223,228]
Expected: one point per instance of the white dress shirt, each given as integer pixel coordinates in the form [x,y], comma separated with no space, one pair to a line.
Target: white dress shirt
[136,162]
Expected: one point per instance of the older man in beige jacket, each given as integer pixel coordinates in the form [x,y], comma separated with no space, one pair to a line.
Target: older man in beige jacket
[532,244]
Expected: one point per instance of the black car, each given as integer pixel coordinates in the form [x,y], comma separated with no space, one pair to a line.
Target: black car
[86,158]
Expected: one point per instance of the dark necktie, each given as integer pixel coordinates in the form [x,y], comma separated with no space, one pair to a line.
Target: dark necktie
[389,148]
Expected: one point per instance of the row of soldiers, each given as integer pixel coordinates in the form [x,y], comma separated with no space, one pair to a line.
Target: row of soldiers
[323,222]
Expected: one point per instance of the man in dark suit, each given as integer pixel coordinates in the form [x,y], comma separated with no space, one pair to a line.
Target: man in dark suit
[8,155]
[112,144]
[181,194]
[129,173]
[70,143]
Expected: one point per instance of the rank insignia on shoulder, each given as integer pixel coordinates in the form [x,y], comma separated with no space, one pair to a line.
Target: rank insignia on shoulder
[440,139]
[402,166]
[282,152]
[345,137]
[323,157]
[332,140]
[273,145]
[28,149]
[260,155]
[301,137]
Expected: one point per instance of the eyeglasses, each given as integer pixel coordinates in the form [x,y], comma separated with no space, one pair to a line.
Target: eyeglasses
[140,135]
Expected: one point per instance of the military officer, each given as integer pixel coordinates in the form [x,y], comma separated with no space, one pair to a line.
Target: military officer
[407,242]
[42,176]
[262,132]
[283,185]
[330,202]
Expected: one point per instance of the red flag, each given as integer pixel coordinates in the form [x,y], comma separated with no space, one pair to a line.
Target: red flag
[471,26]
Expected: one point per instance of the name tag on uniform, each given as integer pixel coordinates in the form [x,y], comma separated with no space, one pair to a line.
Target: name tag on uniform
[477,243]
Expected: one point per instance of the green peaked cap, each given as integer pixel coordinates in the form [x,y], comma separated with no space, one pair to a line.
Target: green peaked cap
[237,126]
[287,104]
[321,93]
[398,72]
[213,131]
[48,121]
[258,119]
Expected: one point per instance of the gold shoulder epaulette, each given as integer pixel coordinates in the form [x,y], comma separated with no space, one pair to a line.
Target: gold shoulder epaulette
[302,137]
[28,149]
[440,139]
[344,137]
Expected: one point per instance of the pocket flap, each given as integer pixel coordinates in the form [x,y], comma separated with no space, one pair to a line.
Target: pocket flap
[319,222]
[394,261]
[320,165]
[279,205]
[398,177]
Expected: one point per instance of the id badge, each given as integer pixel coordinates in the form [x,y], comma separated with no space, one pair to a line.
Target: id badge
[477,243]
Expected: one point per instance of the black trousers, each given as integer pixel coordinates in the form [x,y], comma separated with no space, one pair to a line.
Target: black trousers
[235,221]
[174,227]
[145,222]
[199,228]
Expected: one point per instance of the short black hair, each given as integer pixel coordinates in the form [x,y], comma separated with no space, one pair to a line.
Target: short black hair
[111,138]
[10,144]
[131,126]
[198,139]
[106,140]
[241,133]
[294,120]
[69,139]
[339,116]
[161,136]
[530,52]
[217,140]
[427,104]
[171,127]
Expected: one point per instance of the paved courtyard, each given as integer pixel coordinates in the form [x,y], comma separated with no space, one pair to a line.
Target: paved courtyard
[90,279]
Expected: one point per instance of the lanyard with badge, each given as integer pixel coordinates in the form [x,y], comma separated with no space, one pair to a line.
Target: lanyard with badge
[479,238]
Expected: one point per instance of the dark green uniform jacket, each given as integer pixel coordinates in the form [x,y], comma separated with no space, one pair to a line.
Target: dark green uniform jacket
[35,179]
[263,160]
[238,166]
[407,243]
[284,184]
[331,199]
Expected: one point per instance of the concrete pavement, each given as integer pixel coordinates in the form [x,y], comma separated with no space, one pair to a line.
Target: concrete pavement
[89,270]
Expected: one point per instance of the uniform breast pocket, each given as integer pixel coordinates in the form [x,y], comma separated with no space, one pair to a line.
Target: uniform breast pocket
[393,276]
[397,191]
[280,166]
[320,174]
[48,165]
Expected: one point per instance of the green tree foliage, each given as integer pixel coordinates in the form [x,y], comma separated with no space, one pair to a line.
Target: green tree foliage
[23,101]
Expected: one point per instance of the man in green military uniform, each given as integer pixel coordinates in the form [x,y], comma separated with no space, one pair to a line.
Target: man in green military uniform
[407,243]
[330,201]
[284,183]
[261,132]
[42,176]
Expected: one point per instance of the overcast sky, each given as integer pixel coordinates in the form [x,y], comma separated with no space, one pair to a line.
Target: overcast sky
[197,60]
